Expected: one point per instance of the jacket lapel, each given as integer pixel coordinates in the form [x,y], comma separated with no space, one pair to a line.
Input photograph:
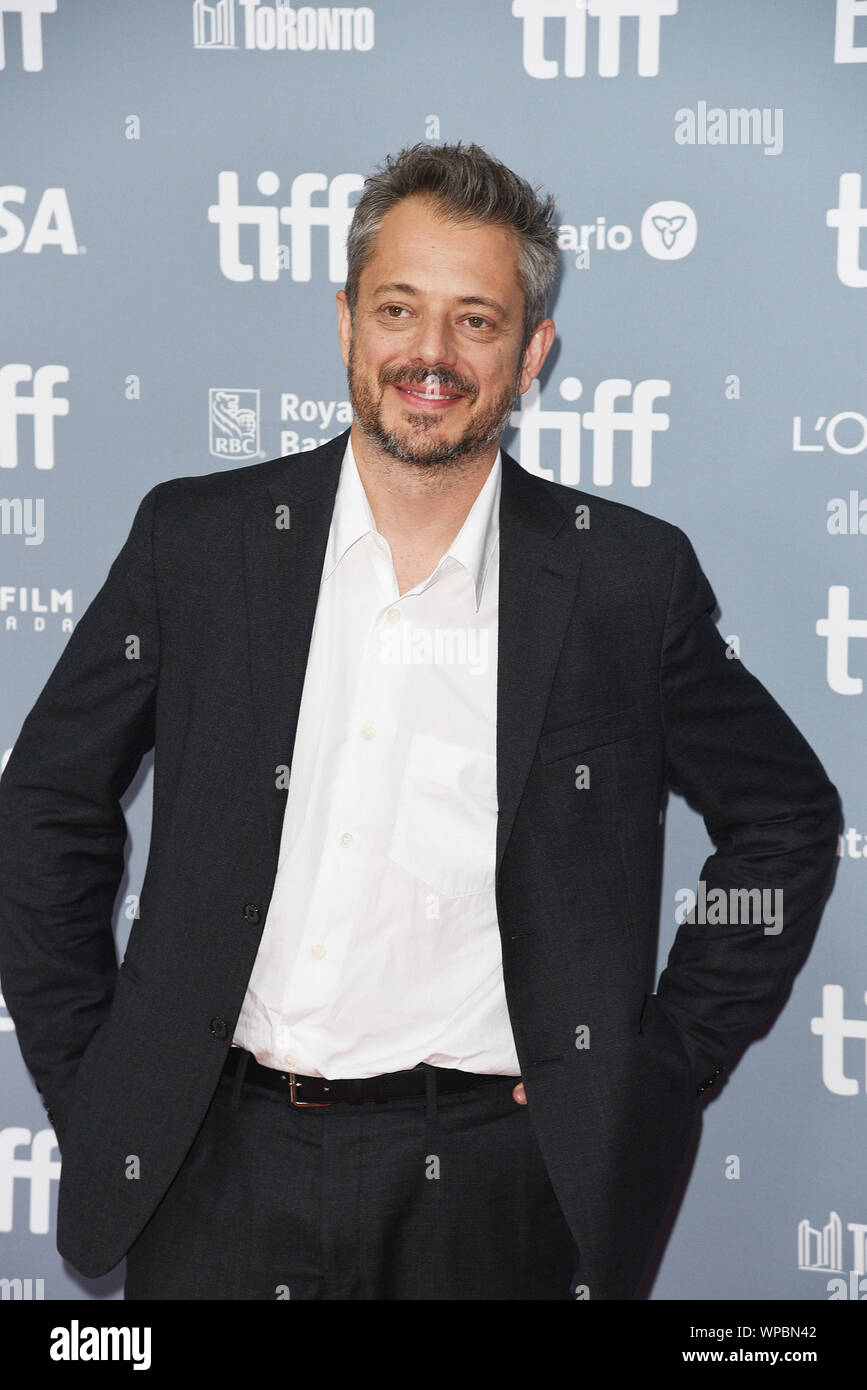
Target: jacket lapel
[285,545]
[538,579]
[285,549]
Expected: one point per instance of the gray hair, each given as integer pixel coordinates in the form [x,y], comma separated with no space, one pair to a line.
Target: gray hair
[468,185]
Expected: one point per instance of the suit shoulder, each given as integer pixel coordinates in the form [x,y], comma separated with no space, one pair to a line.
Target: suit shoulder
[617,515]
[615,524]
[224,489]
[221,484]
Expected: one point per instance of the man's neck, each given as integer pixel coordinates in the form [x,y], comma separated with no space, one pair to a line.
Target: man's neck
[419,508]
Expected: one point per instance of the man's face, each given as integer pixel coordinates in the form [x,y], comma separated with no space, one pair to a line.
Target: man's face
[434,354]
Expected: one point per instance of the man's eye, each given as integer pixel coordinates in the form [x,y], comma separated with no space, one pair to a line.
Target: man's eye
[479,320]
[389,307]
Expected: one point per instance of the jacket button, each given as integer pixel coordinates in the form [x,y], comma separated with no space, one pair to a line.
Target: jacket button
[219,1028]
[251,913]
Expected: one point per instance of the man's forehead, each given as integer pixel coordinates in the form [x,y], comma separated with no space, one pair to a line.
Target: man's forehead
[389,249]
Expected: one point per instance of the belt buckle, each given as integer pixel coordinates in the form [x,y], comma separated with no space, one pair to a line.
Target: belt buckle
[306,1104]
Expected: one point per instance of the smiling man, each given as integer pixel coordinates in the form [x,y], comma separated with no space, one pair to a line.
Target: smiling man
[386,1026]
[434,334]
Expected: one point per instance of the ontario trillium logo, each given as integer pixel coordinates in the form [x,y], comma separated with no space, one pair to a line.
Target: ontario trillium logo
[668,228]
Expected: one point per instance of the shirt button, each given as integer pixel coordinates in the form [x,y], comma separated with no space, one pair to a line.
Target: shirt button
[317,952]
[346,839]
[380,542]
[368,731]
[393,615]
[289,1058]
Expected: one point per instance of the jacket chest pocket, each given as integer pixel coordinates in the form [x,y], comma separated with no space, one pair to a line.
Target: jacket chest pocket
[445,830]
[599,731]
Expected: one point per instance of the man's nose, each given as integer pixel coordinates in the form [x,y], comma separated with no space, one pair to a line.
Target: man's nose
[433,341]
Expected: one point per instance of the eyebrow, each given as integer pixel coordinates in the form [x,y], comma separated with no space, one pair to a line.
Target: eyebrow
[401,288]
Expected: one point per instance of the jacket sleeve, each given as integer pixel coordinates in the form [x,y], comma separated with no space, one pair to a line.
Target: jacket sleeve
[62,829]
[772,814]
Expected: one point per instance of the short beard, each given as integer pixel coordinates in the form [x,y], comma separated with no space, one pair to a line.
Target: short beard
[478,436]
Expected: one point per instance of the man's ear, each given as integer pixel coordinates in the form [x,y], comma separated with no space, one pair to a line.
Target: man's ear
[535,353]
[344,325]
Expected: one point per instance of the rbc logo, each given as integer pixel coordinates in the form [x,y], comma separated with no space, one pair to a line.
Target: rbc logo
[234,417]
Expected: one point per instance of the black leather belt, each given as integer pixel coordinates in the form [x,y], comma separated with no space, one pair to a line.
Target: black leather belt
[322,1091]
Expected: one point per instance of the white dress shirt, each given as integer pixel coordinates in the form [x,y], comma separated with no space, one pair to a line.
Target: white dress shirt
[381,947]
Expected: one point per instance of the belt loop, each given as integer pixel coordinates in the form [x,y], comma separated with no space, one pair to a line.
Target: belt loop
[238,1078]
[430,1089]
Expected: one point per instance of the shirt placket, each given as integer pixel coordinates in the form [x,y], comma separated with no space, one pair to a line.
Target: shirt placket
[347,859]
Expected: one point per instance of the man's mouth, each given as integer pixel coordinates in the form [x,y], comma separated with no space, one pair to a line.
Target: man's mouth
[426,397]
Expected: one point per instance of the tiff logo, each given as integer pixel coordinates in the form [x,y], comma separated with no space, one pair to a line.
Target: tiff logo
[849,217]
[31,12]
[299,214]
[845,48]
[604,421]
[838,627]
[42,404]
[574,14]
[833,1028]
[40,1170]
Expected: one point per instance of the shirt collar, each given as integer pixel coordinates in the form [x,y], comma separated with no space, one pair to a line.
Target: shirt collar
[472,547]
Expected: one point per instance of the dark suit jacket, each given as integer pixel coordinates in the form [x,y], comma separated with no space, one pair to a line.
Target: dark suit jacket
[608,658]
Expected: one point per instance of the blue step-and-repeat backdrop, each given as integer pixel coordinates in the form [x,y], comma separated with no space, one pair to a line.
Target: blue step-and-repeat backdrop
[176,181]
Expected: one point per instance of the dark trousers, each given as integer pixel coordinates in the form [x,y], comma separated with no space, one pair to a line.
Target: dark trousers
[429,1197]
